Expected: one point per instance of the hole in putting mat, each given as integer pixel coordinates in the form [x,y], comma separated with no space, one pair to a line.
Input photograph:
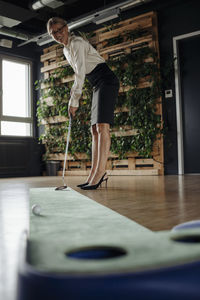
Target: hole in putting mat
[186,237]
[96,252]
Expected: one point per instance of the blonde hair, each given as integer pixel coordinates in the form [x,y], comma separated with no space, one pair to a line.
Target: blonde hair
[55,20]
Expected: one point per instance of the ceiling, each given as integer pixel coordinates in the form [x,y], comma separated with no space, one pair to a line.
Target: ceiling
[22,24]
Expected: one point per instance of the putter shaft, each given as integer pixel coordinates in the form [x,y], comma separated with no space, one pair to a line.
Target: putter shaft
[66,149]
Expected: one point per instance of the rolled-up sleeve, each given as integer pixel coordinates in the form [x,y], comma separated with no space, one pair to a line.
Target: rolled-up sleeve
[78,52]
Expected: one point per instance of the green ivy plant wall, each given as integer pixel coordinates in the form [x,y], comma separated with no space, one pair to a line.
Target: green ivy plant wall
[141,104]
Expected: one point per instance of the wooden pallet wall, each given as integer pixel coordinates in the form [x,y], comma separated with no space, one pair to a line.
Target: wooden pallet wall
[53,58]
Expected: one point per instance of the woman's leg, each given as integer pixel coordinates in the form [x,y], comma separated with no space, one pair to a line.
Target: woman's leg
[94,152]
[103,131]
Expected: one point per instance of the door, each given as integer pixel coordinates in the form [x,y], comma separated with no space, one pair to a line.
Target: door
[189,58]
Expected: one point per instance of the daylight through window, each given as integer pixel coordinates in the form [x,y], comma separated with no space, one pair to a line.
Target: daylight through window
[16,113]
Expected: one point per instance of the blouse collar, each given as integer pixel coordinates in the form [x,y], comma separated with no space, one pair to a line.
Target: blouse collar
[69,41]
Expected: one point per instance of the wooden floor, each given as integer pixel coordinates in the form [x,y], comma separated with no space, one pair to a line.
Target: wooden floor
[156,202]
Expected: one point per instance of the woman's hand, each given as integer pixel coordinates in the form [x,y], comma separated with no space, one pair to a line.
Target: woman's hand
[72,110]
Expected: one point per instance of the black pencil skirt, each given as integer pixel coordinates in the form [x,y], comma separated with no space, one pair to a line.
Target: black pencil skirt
[105,91]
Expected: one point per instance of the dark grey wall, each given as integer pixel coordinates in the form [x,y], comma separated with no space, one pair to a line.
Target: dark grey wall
[180,18]
[19,157]
[175,17]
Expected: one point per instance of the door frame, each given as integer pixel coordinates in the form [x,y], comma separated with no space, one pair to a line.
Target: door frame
[179,115]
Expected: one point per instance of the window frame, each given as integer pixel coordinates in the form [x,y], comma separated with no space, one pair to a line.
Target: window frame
[28,120]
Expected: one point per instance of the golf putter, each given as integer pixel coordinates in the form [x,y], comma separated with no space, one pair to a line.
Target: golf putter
[64,186]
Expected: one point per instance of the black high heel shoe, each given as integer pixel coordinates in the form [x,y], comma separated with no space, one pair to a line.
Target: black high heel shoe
[82,184]
[95,186]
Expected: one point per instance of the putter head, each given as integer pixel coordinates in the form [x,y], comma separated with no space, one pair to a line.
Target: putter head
[61,188]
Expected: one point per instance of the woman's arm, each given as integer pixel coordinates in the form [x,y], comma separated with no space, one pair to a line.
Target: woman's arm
[78,53]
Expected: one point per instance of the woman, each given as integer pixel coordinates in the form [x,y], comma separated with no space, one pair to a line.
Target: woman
[87,62]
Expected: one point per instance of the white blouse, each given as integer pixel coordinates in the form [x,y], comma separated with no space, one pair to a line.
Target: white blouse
[83,58]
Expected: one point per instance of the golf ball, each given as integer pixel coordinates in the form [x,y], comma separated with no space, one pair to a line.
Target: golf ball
[36,209]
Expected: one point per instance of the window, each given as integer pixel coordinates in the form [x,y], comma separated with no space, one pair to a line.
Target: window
[15,98]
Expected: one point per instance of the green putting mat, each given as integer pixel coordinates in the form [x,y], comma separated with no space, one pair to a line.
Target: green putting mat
[71,221]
